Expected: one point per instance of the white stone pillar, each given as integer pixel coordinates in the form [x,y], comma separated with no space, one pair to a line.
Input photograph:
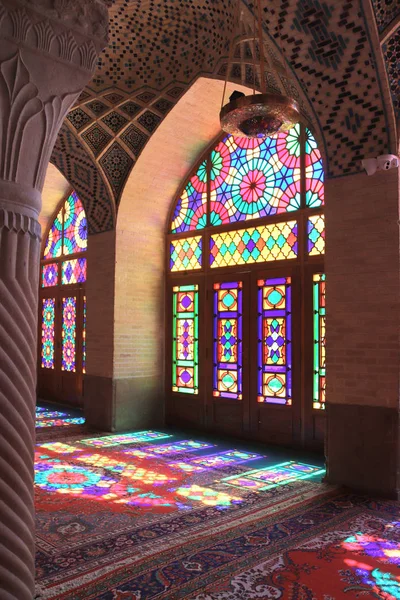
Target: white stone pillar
[48,51]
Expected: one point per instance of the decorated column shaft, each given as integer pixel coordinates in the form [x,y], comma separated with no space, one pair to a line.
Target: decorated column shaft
[48,51]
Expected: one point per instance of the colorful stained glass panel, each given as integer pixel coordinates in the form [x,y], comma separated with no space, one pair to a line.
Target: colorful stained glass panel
[319,340]
[185,352]
[53,246]
[75,226]
[314,174]
[84,337]
[265,243]
[186,254]
[73,271]
[191,208]
[227,343]
[274,327]
[316,235]
[253,178]
[49,275]
[48,320]
[68,362]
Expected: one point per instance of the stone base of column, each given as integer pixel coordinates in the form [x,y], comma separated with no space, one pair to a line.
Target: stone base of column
[362,448]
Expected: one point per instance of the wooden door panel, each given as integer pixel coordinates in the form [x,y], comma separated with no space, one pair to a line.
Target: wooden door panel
[314,418]
[275,424]
[184,378]
[185,412]
[58,384]
[275,358]
[227,353]
[226,417]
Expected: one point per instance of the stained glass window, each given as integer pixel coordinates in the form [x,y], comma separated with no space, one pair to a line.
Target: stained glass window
[319,340]
[191,209]
[316,235]
[245,196]
[84,336]
[254,178]
[186,254]
[227,363]
[73,271]
[314,173]
[274,333]
[254,244]
[68,334]
[48,319]
[75,226]
[53,246]
[185,353]
[49,275]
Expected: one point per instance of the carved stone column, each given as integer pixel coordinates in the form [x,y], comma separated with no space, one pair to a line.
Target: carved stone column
[48,51]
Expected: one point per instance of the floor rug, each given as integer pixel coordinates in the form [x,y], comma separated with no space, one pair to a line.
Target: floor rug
[122,516]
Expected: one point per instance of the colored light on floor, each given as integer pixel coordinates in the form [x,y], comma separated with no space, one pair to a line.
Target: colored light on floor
[270,477]
[126,438]
[224,458]
[207,496]
[178,447]
[60,422]
[55,418]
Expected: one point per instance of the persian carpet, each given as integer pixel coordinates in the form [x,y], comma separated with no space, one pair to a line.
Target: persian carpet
[153,515]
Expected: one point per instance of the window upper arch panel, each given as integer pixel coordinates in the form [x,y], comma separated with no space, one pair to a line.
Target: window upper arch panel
[68,232]
[242,179]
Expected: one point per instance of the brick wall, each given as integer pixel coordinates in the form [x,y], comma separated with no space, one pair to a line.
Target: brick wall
[100,304]
[363,305]
[142,222]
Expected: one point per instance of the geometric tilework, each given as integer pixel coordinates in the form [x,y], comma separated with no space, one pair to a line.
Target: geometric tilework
[83,96]
[71,158]
[116,164]
[78,118]
[114,121]
[176,92]
[156,52]
[327,45]
[154,43]
[114,98]
[149,121]
[134,139]
[385,12]
[130,108]
[146,97]
[391,52]
[97,107]
[163,105]
[96,138]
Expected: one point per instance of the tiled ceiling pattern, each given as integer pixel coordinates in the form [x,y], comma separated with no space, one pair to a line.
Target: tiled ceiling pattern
[391,52]
[158,48]
[327,44]
[82,172]
[153,42]
[386,12]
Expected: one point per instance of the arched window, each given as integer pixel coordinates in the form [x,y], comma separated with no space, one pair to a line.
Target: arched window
[62,305]
[246,291]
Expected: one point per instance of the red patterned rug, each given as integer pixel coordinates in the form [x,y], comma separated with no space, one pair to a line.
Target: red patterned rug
[114,508]
[152,516]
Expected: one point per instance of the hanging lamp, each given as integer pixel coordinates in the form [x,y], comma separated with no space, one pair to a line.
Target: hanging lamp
[258,115]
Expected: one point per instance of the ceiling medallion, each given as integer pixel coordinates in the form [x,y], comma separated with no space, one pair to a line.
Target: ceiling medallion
[257,115]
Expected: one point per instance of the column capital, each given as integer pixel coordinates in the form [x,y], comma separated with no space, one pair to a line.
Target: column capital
[48,52]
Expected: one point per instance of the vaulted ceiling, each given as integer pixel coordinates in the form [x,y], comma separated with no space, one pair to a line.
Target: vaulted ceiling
[338,60]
